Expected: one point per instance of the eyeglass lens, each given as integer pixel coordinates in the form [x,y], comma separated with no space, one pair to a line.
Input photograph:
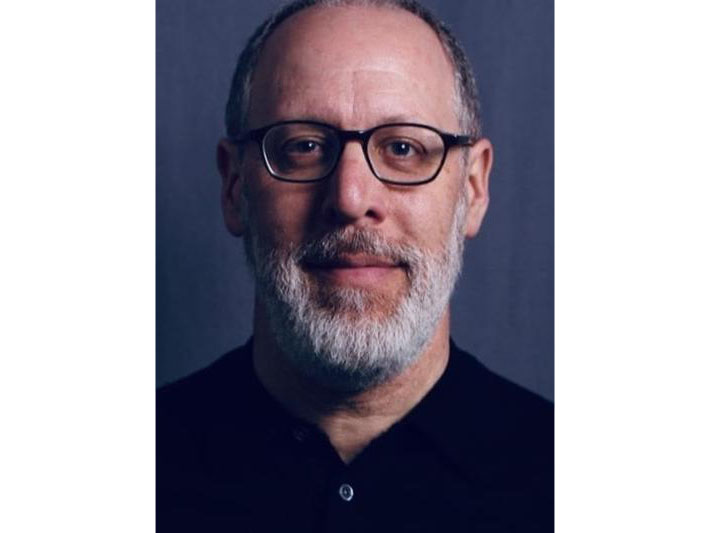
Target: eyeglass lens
[402,154]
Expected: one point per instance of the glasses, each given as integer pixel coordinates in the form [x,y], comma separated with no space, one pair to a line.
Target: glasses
[304,151]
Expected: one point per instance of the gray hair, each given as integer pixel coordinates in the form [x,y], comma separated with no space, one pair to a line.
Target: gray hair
[467,97]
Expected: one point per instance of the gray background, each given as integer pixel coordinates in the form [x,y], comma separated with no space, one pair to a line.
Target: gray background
[503,305]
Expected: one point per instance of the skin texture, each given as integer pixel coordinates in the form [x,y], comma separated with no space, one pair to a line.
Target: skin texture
[355,68]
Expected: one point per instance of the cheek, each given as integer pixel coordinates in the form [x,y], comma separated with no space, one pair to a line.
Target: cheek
[281,211]
[426,219]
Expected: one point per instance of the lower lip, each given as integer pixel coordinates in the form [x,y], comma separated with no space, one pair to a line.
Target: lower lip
[365,275]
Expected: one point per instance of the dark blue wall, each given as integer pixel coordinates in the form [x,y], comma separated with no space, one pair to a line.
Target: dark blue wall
[503,306]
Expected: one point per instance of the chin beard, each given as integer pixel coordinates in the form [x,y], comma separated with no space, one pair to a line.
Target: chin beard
[350,339]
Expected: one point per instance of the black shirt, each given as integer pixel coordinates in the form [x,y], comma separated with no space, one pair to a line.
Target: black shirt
[476,454]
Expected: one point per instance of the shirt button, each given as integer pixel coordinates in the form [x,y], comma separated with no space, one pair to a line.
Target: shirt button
[346,492]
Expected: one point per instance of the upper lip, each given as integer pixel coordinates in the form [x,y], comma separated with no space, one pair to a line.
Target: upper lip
[354,261]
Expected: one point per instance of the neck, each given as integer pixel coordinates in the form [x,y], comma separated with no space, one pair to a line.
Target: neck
[350,420]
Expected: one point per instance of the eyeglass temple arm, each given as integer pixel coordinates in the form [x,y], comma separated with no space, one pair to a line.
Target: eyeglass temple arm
[459,140]
[251,135]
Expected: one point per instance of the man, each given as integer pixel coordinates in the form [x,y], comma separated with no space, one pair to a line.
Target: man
[354,168]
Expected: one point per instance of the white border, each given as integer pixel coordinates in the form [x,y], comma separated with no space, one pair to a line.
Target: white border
[77,286]
[632,266]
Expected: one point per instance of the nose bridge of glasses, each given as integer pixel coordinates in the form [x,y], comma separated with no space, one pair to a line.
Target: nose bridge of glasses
[354,192]
[359,136]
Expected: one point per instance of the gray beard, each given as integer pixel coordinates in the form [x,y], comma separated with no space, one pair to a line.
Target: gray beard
[349,339]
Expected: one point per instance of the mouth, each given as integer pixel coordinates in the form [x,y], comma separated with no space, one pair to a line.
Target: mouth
[355,269]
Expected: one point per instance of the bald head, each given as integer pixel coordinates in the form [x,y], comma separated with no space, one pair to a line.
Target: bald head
[358,66]
[466,97]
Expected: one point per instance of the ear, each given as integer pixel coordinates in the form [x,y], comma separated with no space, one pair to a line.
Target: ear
[228,163]
[481,158]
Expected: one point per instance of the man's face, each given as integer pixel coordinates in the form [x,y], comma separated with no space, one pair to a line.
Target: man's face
[351,243]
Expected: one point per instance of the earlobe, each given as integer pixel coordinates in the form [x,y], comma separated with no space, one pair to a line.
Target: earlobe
[481,159]
[227,164]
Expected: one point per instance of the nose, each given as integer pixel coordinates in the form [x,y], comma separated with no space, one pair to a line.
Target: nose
[354,195]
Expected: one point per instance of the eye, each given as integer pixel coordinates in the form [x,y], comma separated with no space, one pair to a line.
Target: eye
[302,147]
[400,148]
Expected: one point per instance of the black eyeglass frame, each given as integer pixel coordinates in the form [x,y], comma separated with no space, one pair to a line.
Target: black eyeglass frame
[362,136]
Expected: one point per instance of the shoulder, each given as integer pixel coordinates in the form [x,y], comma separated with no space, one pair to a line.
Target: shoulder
[469,383]
[204,408]
[497,434]
[499,402]
[200,423]
[209,387]
[493,428]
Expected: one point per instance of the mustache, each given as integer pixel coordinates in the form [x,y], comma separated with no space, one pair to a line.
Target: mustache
[335,244]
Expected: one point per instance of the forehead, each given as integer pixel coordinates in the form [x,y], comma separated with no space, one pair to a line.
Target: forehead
[354,67]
